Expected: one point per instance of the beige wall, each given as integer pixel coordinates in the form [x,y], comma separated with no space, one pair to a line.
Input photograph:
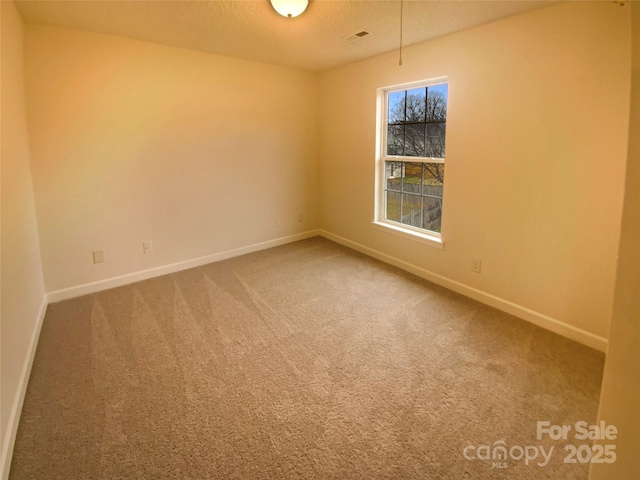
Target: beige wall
[133,141]
[22,284]
[536,148]
[620,399]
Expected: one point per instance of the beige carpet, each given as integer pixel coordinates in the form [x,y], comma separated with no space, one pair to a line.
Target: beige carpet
[303,361]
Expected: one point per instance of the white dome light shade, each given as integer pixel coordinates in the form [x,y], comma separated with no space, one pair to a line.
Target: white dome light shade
[289,8]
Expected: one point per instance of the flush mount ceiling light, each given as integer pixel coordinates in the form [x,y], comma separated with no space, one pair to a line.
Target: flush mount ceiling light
[289,8]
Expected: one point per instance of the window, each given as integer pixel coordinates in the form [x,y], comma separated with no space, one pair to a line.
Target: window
[410,178]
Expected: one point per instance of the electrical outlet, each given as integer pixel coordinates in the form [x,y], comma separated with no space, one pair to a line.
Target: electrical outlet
[300,217]
[476,265]
[276,222]
[147,247]
[98,256]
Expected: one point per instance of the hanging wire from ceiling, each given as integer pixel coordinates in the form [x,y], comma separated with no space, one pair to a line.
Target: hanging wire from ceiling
[401,15]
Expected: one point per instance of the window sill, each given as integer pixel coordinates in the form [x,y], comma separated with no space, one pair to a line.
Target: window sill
[425,238]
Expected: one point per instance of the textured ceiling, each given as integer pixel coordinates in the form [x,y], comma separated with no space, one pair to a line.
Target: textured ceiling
[251,29]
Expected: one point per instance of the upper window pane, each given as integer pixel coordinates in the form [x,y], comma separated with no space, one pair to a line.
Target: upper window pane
[437,103]
[414,140]
[416,105]
[395,140]
[435,140]
[396,107]
[416,120]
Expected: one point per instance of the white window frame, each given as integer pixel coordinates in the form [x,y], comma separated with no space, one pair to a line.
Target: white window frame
[428,237]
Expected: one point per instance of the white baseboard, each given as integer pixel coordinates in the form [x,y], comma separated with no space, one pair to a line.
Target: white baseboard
[16,409]
[539,319]
[87,288]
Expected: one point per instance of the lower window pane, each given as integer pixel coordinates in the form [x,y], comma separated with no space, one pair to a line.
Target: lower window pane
[393,206]
[411,210]
[412,178]
[432,214]
[433,179]
[393,175]
[413,194]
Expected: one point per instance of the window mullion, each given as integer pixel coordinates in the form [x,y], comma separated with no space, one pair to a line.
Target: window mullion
[402,172]
[404,126]
[422,197]
[426,116]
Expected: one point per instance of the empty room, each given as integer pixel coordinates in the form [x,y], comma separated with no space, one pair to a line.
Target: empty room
[325,239]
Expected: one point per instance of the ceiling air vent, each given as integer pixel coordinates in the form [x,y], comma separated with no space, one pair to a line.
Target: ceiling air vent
[356,37]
